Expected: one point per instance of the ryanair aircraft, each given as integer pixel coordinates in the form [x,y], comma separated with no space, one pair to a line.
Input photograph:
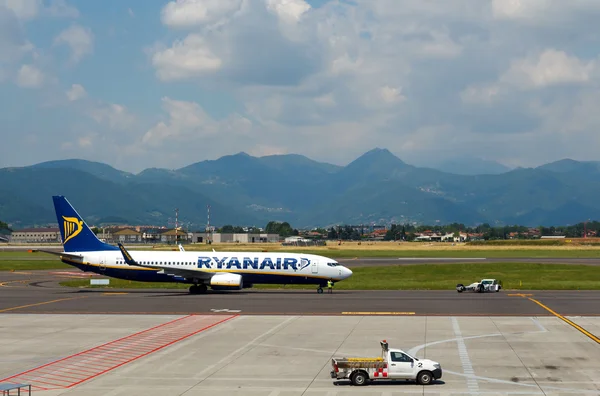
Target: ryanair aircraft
[217,270]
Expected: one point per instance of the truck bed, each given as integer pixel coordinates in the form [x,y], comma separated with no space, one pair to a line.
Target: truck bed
[351,363]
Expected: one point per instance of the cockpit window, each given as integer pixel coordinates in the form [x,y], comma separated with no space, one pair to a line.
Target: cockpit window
[332,264]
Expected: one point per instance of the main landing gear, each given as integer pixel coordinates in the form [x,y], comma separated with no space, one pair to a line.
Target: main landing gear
[198,289]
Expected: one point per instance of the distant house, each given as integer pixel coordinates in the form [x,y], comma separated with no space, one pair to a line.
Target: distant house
[451,237]
[127,235]
[292,239]
[173,236]
[429,236]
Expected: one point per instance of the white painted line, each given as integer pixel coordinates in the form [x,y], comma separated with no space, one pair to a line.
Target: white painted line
[225,310]
[297,349]
[441,258]
[539,325]
[472,384]
[237,353]
[413,351]
[499,381]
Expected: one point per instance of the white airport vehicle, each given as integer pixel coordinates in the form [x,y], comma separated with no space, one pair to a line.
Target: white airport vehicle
[394,364]
[485,286]
[217,270]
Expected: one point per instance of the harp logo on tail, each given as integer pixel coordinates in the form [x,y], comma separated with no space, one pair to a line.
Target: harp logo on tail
[72,227]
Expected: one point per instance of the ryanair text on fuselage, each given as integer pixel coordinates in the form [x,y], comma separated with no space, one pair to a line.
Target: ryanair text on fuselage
[252,263]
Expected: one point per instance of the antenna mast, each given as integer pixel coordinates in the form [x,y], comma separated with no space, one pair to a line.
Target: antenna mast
[176,223]
[208,223]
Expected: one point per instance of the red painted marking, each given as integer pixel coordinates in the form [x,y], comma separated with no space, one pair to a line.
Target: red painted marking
[83,366]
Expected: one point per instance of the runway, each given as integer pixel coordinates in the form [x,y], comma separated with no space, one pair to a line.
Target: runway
[39,292]
[385,261]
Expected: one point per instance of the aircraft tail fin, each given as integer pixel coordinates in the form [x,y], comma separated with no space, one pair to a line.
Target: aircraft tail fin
[75,233]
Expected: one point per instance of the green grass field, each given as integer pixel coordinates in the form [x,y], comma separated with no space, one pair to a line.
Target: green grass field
[22,260]
[514,276]
[25,265]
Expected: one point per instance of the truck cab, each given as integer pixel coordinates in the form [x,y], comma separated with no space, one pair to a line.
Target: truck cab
[491,284]
[394,364]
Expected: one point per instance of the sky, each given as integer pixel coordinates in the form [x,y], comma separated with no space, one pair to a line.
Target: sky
[148,83]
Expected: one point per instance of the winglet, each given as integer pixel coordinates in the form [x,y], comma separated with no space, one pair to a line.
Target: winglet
[126,256]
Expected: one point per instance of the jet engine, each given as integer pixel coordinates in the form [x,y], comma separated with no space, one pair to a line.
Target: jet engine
[226,281]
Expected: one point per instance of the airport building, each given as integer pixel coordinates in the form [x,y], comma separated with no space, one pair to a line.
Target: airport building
[203,237]
[37,235]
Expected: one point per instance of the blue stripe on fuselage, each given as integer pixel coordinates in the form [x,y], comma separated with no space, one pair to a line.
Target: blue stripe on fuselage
[144,275]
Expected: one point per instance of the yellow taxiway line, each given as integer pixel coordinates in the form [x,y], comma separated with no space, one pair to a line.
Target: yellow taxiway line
[41,303]
[378,313]
[575,325]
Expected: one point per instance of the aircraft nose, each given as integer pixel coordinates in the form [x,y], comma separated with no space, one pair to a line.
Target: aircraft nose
[347,272]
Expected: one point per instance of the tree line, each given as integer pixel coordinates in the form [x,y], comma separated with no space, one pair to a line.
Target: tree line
[409,232]
[487,232]
[284,229]
[3,226]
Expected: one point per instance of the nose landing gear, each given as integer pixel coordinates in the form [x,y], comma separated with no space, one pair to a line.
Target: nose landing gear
[320,290]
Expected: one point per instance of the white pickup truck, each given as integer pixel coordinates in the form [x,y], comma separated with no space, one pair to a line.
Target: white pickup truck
[485,286]
[393,364]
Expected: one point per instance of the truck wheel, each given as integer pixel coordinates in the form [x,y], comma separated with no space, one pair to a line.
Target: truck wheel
[424,378]
[359,378]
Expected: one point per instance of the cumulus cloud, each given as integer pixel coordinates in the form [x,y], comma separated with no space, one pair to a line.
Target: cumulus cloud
[542,11]
[27,10]
[79,39]
[187,121]
[189,13]
[399,73]
[288,10]
[13,42]
[187,58]
[76,92]
[114,116]
[60,8]
[23,9]
[548,68]
[30,76]
[422,78]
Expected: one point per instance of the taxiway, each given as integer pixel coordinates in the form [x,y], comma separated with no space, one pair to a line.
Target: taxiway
[92,342]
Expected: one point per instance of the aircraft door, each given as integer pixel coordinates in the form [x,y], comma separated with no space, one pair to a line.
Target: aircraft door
[102,263]
[314,267]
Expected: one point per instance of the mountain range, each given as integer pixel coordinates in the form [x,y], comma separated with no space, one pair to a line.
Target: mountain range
[377,187]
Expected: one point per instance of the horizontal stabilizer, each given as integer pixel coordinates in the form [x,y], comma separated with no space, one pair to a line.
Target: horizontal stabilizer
[61,254]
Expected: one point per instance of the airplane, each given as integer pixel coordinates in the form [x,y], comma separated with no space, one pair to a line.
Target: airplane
[217,270]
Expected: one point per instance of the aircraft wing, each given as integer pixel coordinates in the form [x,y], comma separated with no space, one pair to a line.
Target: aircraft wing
[62,254]
[186,273]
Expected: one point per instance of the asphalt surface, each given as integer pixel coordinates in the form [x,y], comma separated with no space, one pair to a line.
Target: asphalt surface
[376,261]
[39,292]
